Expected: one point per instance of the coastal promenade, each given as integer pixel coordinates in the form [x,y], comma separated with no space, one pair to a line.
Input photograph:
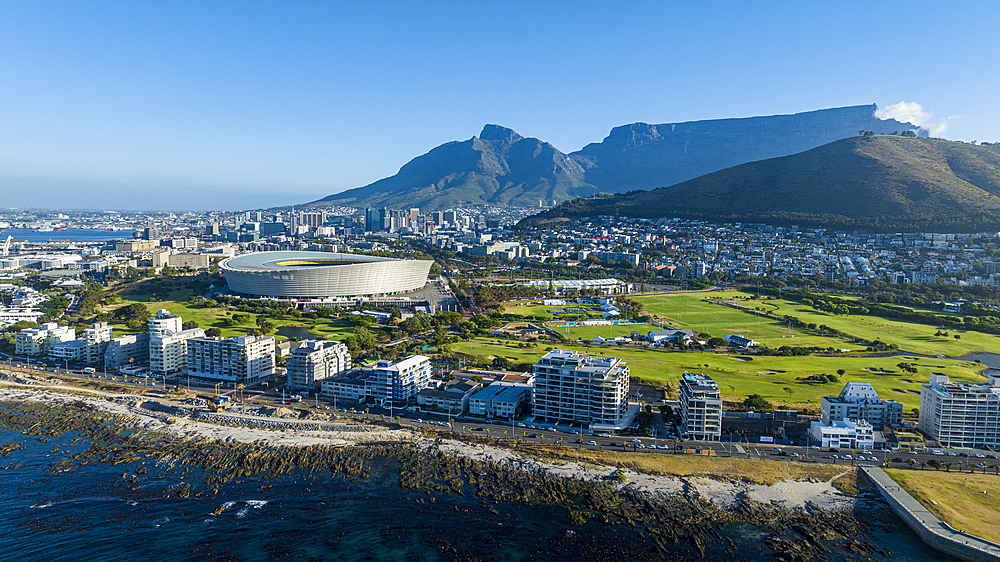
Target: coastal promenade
[933,531]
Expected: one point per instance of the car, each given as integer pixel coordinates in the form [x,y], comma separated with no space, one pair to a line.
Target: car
[897,459]
[963,454]
[939,453]
[865,452]
[521,425]
[478,429]
[815,447]
[834,450]
[847,457]
[834,457]
[794,455]
[980,456]
[592,442]
[636,440]
[991,456]
[420,420]
[951,454]
[873,459]
[640,446]
[533,436]
[612,444]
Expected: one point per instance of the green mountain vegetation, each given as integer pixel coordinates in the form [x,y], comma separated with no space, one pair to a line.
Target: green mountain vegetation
[873,183]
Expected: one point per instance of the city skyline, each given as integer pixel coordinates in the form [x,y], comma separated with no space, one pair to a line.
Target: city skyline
[224,106]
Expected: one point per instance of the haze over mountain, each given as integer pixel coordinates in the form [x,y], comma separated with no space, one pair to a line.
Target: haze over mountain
[501,167]
[880,183]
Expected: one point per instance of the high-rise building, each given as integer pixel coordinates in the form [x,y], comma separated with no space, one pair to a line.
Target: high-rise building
[961,414]
[316,360]
[398,382]
[571,387]
[242,360]
[701,407]
[830,272]
[375,219]
[859,401]
[127,351]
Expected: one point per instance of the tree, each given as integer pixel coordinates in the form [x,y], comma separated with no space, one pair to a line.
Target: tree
[841,372]
[789,390]
[189,325]
[756,402]
[213,332]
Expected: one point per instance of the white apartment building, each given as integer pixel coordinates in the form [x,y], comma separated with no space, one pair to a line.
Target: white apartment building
[13,315]
[36,341]
[701,407]
[570,387]
[859,401]
[168,351]
[89,349]
[848,434]
[243,359]
[400,381]
[316,360]
[163,322]
[500,399]
[961,414]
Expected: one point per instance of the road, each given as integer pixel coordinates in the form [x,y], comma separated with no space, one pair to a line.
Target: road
[538,432]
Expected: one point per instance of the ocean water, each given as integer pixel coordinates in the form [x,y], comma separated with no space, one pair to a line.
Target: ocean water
[100,512]
[73,234]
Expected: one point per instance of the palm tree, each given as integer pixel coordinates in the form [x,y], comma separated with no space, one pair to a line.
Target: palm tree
[960,463]
[240,388]
[922,465]
[947,466]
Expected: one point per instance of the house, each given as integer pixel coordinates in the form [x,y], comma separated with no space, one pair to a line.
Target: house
[657,336]
[736,339]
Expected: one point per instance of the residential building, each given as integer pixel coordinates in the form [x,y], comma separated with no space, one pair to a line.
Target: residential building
[191,261]
[315,360]
[453,399]
[910,441]
[36,341]
[657,336]
[570,387]
[243,359]
[88,350]
[859,401]
[961,414]
[131,351]
[849,434]
[353,385]
[499,400]
[398,382]
[13,315]
[168,351]
[701,407]
[163,322]
[738,340]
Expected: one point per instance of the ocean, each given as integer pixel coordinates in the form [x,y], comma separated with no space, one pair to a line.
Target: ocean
[71,234]
[52,510]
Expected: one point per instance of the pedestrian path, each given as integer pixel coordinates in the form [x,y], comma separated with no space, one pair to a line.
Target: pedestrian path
[932,530]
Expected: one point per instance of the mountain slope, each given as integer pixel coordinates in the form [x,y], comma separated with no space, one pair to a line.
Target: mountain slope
[641,156]
[875,183]
[499,167]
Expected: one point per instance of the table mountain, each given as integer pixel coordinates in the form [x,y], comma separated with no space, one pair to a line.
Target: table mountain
[642,156]
[879,183]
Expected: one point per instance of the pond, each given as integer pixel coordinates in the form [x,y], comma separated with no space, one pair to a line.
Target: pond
[296,332]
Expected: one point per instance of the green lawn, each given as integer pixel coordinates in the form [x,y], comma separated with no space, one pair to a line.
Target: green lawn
[767,376]
[696,311]
[607,332]
[321,328]
[543,311]
[700,313]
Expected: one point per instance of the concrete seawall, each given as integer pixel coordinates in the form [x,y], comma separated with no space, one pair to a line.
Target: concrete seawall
[936,533]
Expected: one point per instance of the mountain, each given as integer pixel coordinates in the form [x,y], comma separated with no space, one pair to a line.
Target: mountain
[498,167]
[503,168]
[641,156]
[880,183]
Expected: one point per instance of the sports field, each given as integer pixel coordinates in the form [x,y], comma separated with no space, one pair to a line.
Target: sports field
[607,332]
[740,376]
[550,312]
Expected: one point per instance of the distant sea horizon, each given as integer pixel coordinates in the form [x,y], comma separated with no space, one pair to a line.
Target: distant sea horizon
[71,234]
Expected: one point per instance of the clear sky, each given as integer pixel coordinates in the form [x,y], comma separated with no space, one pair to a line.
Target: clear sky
[236,105]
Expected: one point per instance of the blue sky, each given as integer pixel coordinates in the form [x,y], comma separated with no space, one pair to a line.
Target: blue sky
[234,105]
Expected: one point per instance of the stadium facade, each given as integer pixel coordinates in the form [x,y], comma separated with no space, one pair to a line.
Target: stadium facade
[318,275]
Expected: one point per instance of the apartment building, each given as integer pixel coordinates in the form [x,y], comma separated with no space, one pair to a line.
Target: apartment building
[164,322]
[500,399]
[847,433]
[398,382]
[701,407]
[88,350]
[242,360]
[131,350]
[571,387]
[36,341]
[859,401]
[168,351]
[961,414]
[314,361]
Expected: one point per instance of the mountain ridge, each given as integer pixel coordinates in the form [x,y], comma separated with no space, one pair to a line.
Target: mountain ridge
[881,183]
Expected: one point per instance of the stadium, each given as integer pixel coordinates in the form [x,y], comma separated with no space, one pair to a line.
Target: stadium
[316,275]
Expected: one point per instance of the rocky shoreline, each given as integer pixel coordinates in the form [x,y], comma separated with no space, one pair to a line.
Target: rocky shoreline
[805,520]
